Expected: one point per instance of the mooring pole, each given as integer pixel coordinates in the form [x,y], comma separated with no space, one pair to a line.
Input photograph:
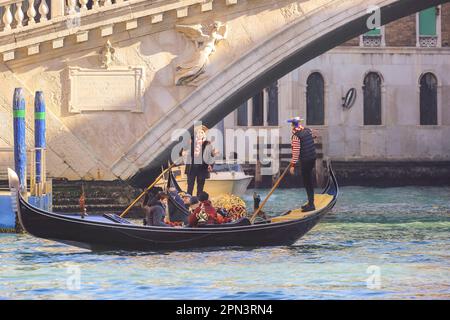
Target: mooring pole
[20,148]
[39,135]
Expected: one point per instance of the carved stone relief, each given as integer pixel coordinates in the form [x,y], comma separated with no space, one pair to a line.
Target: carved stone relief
[189,72]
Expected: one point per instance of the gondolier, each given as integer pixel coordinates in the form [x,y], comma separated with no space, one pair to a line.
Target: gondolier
[304,151]
[200,161]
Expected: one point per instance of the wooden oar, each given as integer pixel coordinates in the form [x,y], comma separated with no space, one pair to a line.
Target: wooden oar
[253,217]
[123,214]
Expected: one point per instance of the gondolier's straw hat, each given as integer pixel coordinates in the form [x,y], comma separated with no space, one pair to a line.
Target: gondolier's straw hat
[295,121]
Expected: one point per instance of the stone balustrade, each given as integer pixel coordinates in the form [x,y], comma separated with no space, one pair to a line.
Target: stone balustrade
[17,14]
[28,23]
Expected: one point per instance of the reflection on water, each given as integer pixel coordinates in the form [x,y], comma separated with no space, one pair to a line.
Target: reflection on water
[402,231]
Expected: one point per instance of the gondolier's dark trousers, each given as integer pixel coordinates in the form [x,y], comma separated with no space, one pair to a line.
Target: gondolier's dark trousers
[196,172]
[307,167]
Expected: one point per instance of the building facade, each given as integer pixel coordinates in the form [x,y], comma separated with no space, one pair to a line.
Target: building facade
[108,68]
[400,76]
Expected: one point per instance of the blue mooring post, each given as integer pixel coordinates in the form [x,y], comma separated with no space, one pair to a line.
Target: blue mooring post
[39,131]
[20,149]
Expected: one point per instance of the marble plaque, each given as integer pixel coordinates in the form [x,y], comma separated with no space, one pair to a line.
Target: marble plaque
[113,89]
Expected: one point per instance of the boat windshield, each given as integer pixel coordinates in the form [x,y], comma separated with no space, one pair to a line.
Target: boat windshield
[227,167]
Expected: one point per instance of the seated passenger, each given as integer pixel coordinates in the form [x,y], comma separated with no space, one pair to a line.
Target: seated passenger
[186,199]
[156,212]
[205,213]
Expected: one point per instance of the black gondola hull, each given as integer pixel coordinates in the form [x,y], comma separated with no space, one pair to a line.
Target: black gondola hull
[99,235]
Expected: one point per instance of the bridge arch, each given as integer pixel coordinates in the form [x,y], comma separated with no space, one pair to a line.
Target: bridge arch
[334,23]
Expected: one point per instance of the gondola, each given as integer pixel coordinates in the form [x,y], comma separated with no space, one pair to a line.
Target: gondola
[110,232]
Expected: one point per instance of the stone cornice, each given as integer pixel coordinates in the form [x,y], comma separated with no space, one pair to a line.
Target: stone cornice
[104,18]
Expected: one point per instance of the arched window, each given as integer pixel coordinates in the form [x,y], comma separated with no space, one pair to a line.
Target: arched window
[372,99]
[315,100]
[428,99]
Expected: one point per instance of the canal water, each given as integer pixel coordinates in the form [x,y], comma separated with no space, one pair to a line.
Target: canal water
[376,244]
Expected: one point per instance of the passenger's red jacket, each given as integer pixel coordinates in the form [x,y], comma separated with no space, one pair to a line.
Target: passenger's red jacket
[213,217]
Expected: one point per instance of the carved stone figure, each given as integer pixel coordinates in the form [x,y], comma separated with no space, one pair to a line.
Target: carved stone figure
[190,71]
[107,55]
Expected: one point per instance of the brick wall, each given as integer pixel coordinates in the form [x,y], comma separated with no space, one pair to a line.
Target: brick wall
[401,33]
[352,43]
[445,22]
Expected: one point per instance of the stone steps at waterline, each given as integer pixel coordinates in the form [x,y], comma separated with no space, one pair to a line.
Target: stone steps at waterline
[66,199]
[100,196]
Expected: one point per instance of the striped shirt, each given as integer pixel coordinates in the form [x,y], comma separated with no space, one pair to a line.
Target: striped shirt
[295,146]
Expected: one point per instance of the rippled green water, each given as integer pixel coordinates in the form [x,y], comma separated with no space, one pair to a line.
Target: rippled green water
[402,234]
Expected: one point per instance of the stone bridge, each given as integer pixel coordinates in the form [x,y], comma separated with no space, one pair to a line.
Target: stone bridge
[111,108]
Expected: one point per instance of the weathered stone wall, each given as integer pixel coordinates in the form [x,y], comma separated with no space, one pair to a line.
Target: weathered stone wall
[88,145]
[400,137]
[392,174]
[106,144]
[373,174]
[400,65]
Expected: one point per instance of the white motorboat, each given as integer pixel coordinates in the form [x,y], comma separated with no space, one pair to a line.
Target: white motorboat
[226,178]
